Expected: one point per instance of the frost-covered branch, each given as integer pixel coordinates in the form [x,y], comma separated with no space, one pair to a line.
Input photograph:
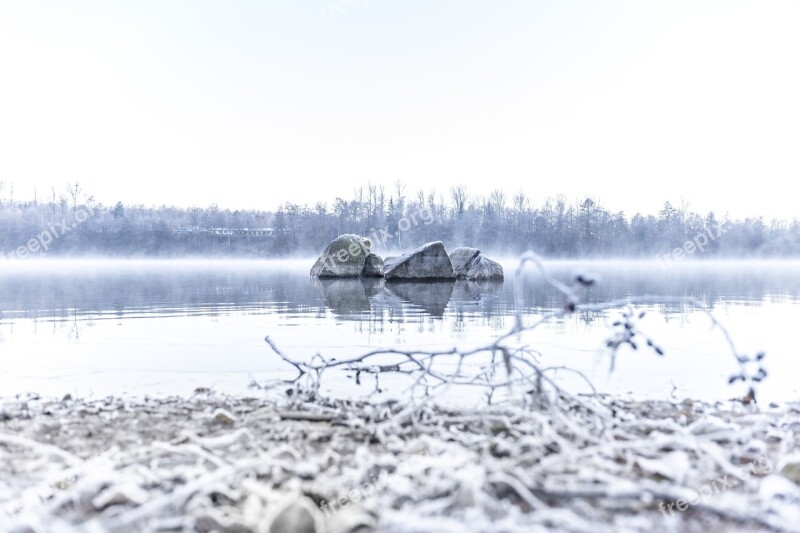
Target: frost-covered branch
[504,363]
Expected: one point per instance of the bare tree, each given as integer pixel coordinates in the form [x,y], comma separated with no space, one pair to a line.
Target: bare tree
[74,190]
[420,198]
[520,202]
[497,199]
[459,197]
[400,189]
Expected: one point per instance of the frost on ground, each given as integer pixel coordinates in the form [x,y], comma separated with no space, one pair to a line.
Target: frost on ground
[213,463]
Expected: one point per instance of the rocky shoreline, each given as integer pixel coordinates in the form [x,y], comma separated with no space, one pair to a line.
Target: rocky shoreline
[217,463]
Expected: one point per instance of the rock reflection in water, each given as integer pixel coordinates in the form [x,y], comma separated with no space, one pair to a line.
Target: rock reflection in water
[466,292]
[348,297]
[431,296]
[354,297]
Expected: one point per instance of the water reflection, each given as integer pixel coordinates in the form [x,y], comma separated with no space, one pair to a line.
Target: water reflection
[432,297]
[172,318]
[357,299]
[98,293]
[348,297]
[475,293]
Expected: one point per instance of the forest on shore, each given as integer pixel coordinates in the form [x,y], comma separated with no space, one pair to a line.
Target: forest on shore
[69,222]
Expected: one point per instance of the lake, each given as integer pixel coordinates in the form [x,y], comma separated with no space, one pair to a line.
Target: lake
[95,328]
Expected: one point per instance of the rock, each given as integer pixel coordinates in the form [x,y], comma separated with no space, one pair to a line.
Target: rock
[224,416]
[790,468]
[373,266]
[712,428]
[471,264]
[778,488]
[428,262]
[462,259]
[352,519]
[127,493]
[484,268]
[344,257]
[214,520]
[300,516]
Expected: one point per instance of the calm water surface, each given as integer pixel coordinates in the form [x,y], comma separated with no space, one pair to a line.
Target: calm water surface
[167,327]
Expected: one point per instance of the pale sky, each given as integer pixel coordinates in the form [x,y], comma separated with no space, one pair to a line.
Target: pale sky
[249,104]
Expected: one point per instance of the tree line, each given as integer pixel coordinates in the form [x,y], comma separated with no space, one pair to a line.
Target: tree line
[394,219]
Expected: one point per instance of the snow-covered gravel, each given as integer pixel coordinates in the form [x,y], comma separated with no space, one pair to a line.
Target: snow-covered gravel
[218,463]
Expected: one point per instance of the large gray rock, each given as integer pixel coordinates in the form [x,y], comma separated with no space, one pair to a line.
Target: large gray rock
[462,259]
[471,264]
[428,262]
[373,266]
[344,257]
[484,268]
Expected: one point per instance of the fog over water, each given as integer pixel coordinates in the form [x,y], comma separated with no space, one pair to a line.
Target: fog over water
[166,327]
